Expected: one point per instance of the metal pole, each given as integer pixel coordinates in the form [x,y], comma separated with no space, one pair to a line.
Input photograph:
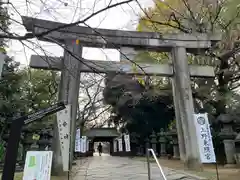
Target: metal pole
[148,164]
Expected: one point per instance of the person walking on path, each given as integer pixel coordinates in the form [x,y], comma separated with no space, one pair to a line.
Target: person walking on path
[100,149]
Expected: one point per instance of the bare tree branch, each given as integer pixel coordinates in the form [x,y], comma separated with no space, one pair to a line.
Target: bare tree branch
[30,35]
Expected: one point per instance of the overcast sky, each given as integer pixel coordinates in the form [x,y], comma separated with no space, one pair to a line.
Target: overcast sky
[67,11]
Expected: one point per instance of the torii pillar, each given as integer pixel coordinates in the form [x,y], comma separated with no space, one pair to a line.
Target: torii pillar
[184,109]
[68,93]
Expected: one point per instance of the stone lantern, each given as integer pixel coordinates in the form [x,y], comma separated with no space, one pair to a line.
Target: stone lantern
[154,142]
[162,140]
[227,135]
[134,142]
[237,154]
[140,148]
[147,143]
[174,140]
[27,141]
[45,140]
[35,146]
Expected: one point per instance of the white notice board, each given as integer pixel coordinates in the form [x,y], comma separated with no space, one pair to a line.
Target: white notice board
[38,165]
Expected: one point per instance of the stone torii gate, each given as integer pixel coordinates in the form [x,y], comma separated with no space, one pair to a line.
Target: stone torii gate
[180,71]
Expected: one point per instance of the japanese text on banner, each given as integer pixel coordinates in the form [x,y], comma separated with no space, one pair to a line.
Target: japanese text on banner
[204,138]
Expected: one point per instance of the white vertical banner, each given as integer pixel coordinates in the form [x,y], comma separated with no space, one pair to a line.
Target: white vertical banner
[120,148]
[63,120]
[38,165]
[84,144]
[77,141]
[127,142]
[204,138]
[114,145]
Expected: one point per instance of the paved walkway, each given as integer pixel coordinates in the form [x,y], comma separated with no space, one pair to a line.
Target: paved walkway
[121,168]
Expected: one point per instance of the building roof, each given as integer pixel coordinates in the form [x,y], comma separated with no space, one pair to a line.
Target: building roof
[102,132]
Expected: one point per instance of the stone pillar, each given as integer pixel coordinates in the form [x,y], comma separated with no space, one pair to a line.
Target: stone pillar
[68,92]
[228,136]
[117,153]
[91,148]
[147,144]
[154,142]
[229,147]
[185,105]
[237,146]
[26,147]
[21,148]
[111,147]
[45,140]
[181,142]
[174,140]
[176,152]
[73,65]
[162,141]
[134,143]
[141,150]
[34,146]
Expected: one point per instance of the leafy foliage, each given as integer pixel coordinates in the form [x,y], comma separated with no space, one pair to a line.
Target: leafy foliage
[10,93]
[136,99]
[24,91]
[181,16]
[39,90]
[4,23]
[135,108]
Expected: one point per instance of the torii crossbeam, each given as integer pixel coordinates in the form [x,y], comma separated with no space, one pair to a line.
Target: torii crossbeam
[90,66]
[105,38]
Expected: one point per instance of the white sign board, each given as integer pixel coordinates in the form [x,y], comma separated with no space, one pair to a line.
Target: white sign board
[77,141]
[120,148]
[114,146]
[84,144]
[63,119]
[204,138]
[38,165]
[127,142]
